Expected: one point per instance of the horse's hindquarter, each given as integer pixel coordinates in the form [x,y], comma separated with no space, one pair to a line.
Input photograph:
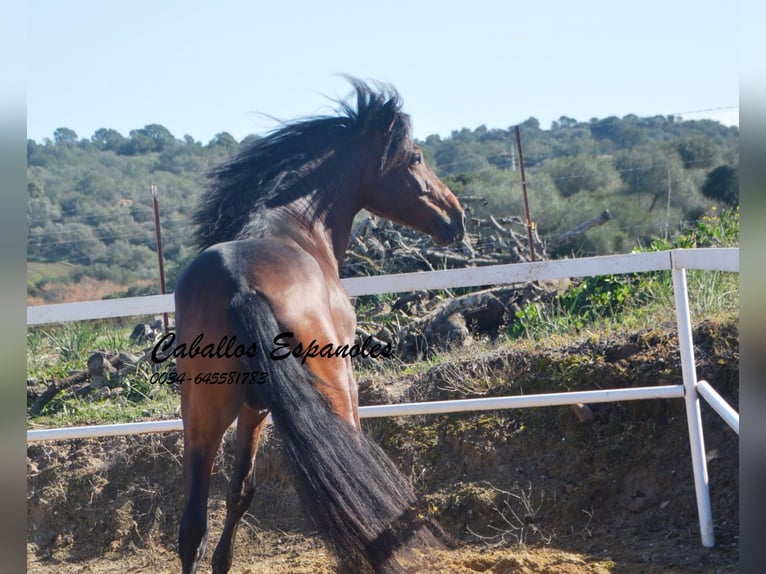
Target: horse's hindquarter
[306,297]
[202,297]
[310,302]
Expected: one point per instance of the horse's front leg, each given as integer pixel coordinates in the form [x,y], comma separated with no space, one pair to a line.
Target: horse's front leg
[250,424]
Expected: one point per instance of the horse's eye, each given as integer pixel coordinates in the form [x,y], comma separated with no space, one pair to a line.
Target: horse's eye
[417,159]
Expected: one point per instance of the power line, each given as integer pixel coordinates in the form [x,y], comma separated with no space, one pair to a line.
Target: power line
[707,110]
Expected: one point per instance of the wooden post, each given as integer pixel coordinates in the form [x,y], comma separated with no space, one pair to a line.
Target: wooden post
[159,250]
[524,191]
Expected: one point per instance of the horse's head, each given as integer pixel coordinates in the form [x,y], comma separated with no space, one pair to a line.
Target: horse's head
[400,186]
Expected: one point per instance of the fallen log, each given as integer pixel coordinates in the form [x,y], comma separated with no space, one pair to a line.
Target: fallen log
[54,388]
[95,365]
[455,320]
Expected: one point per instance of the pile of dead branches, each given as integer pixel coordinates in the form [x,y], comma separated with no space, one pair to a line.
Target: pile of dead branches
[380,247]
[421,322]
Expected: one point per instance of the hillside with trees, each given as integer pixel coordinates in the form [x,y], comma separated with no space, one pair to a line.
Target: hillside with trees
[90,215]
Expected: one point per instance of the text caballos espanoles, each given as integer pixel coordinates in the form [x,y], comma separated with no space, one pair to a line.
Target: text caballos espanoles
[228,348]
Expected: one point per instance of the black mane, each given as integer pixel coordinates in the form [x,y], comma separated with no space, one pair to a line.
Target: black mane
[268,173]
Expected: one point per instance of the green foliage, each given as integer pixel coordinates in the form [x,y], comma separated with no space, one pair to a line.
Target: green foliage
[648,172]
[585,303]
[108,140]
[601,296]
[73,340]
[697,151]
[598,299]
[65,136]
[620,133]
[716,230]
[722,185]
[575,173]
[89,202]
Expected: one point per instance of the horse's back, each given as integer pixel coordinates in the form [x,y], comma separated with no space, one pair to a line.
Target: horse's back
[293,281]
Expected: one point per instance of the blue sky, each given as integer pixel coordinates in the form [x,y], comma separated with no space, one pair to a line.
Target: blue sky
[200,68]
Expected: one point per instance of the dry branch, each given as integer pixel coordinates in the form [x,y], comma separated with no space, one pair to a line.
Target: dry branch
[97,365]
[580,229]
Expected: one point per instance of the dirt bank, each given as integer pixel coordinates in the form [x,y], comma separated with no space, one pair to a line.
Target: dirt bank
[532,490]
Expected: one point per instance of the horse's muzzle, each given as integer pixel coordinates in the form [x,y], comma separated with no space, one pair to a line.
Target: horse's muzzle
[451,230]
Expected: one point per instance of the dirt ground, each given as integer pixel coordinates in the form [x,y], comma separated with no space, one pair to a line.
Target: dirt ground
[528,490]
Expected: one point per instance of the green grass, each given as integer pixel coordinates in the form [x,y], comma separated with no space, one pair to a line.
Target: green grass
[56,351]
[647,304]
[77,412]
[641,300]
[38,272]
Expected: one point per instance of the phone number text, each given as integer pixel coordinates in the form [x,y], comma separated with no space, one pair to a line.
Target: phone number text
[225,378]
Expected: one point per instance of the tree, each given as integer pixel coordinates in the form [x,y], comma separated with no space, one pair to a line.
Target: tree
[623,133]
[161,137]
[564,122]
[224,140]
[722,184]
[65,136]
[41,212]
[97,186]
[433,140]
[652,171]
[574,173]
[697,151]
[455,155]
[141,213]
[150,138]
[108,139]
[138,144]
[531,123]
[36,154]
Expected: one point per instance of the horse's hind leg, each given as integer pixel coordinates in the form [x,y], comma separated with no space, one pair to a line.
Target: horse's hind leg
[192,533]
[204,425]
[242,486]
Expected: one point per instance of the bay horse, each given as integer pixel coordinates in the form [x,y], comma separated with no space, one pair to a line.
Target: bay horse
[272,230]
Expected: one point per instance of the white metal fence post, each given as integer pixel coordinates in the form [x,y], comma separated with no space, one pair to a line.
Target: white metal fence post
[693,415]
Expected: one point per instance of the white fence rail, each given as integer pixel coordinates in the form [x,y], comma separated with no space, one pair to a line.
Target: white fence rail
[676,261]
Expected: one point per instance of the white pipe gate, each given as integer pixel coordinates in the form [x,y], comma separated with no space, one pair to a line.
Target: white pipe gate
[677,261]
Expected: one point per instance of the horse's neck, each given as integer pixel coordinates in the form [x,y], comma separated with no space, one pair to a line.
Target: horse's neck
[321,221]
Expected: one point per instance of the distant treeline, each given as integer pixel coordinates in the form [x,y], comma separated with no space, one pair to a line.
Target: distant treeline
[90,202]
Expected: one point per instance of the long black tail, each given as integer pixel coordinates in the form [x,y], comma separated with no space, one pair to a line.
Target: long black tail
[360,502]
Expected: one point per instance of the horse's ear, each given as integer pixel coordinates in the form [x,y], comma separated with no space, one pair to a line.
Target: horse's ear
[388,116]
